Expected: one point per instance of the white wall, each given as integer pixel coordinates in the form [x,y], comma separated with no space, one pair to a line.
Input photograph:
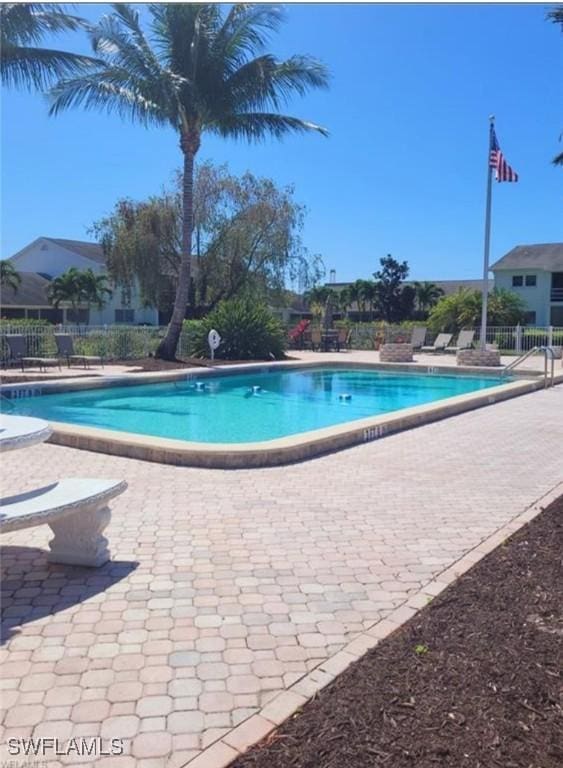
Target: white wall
[537,298]
[52,259]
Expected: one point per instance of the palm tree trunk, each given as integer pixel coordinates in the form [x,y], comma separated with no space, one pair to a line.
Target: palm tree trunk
[167,347]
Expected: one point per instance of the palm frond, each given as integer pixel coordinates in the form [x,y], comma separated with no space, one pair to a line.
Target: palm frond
[108,90]
[558,159]
[22,27]
[120,37]
[556,15]
[257,126]
[265,82]
[27,23]
[245,31]
[24,67]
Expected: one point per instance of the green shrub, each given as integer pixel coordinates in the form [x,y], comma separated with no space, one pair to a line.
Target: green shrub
[248,331]
[189,338]
[463,310]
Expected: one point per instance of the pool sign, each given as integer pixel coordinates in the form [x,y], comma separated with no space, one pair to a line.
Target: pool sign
[213,339]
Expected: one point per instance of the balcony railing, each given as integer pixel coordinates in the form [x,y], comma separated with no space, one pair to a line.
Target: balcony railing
[557,294]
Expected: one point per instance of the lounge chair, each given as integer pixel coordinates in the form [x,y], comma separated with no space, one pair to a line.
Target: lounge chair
[18,352]
[343,339]
[464,340]
[440,344]
[65,348]
[316,339]
[418,337]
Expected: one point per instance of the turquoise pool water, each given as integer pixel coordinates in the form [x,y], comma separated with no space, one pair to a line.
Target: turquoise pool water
[249,407]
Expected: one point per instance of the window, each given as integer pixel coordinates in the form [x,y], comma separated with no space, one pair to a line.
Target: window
[126,297]
[517,281]
[124,315]
[530,281]
[13,313]
[52,315]
[82,316]
[530,318]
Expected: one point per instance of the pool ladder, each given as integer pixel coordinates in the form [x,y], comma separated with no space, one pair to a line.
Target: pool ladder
[548,353]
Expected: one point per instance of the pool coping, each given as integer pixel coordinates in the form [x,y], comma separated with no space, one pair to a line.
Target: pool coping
[280,451]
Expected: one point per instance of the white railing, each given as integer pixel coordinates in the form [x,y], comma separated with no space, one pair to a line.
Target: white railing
[509,339]
[519,339]
[113,342]
[122,342]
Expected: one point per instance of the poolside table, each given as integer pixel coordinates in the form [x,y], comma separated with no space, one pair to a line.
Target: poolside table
[22,432]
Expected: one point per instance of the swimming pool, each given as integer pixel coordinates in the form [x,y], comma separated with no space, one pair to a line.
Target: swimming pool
[250,407]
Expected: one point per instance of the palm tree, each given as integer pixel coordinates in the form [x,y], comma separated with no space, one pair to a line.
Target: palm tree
[9,277]
[368,292]
[67,288]
[354,294]
[363,293]
[343,300]
[95,289]
[318,294]
[22,27]
[198,71]
[427,295]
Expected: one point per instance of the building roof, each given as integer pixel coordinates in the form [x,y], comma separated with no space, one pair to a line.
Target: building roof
[546,256]
[92,251]
[32,292]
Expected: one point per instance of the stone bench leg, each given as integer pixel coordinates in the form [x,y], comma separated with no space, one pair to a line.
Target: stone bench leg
[78,538]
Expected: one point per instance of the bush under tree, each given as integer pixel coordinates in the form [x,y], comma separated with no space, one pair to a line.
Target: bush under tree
[248,331]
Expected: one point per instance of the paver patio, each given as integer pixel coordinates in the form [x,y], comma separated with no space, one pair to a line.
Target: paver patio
[228,586]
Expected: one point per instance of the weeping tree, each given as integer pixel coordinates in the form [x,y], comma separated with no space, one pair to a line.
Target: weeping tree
[23,62]
[247,239]
[199,69]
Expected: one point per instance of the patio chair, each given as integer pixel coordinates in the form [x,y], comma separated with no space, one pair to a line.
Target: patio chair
[316,339]
[18,353]
[343,339]
[440,344]
[464,340]
[65,348]
[418,337]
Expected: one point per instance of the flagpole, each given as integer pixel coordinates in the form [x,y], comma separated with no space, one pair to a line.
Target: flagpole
[485,289]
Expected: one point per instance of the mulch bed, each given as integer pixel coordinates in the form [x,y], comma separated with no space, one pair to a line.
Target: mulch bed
[472,680]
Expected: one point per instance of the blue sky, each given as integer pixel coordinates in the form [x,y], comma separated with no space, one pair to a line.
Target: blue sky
[403,171]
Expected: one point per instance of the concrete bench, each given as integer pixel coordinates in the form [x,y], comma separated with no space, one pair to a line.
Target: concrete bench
[76,511]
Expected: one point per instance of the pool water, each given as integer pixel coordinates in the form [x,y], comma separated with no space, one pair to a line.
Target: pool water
[248,407]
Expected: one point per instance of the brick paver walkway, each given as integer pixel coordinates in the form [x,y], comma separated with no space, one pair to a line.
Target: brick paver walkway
[227,586]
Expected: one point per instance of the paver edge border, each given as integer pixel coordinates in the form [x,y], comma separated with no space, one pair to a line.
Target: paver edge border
[285,704]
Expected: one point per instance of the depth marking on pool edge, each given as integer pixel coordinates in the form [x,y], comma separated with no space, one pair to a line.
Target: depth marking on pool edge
[18,394]
[374,433]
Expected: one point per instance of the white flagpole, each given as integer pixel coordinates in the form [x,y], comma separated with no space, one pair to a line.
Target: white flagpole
[485,289]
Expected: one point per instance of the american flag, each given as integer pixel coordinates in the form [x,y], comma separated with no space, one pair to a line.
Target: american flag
[503,172]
